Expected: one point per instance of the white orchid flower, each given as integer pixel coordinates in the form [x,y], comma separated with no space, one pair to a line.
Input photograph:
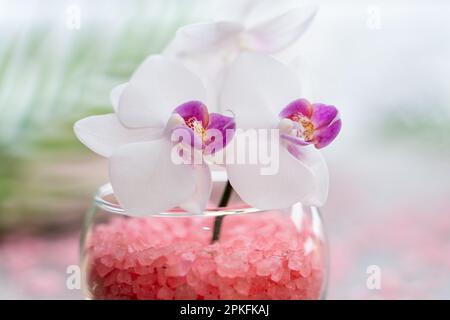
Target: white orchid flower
[209,48]
[162,96]
[258,28]
[264,94]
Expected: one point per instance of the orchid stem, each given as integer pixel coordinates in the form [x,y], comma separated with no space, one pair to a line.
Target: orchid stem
[223,203]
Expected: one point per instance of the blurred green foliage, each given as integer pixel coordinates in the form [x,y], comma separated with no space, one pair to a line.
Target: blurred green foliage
[426,128]
[50,77]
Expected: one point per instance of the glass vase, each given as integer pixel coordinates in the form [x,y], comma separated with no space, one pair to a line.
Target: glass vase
[276,254]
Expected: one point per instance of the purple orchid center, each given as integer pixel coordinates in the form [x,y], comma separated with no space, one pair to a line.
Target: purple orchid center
[303,123]
[209,132]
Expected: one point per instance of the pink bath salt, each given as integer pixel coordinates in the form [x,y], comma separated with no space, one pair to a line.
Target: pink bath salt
[174,282]
[223,283]
[257,257]
[120,252]
[268,265]
[213,279]
[229,293]
[260,243]
[197,284]
[295,262]
[305,270]
[143,270]
[125,289]
[188,256]
[278,292]
[242,286]
[145,294]
[130,261]
[111,278]
[146,257]
[193,280]
[258,285]
[146,280]
[280,247]
[101,269]
[232,265]
[204,264]
[161,277]
[286,277]
[165,293]
[159,263]
[277,273]
[124,277]
[185,292]
[107,260]
[301,283]
[291,284]
[212,293]
[178,269]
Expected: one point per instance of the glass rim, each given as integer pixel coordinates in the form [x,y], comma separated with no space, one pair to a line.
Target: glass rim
[106,190]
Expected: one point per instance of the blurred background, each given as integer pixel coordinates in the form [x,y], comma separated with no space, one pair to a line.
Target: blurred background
[385,64]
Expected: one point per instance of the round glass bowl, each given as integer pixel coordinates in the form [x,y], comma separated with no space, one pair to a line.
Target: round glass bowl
[277,254]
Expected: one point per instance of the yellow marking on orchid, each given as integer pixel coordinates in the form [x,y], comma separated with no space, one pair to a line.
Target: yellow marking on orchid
[308,129]
[197,127]
[307,125]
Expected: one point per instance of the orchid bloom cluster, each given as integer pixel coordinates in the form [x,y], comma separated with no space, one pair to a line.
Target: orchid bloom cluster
[178,105]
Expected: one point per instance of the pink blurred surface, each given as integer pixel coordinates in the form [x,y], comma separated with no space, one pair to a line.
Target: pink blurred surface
[410,246]
[33,267]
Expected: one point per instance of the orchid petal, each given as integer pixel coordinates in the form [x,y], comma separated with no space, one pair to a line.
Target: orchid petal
[115,95]
[300,106]
[282,31]
[303,179]
[104,134]
[222,128]
[203,48]
[314,160]
[256,88]
[200,37]
[145,180]
[203,186]
[323,115]
[326,135]
[194,109]
[155,89]
[294,140]
[185,135]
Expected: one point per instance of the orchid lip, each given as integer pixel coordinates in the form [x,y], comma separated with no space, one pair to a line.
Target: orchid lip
[317,123]
[209,132]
